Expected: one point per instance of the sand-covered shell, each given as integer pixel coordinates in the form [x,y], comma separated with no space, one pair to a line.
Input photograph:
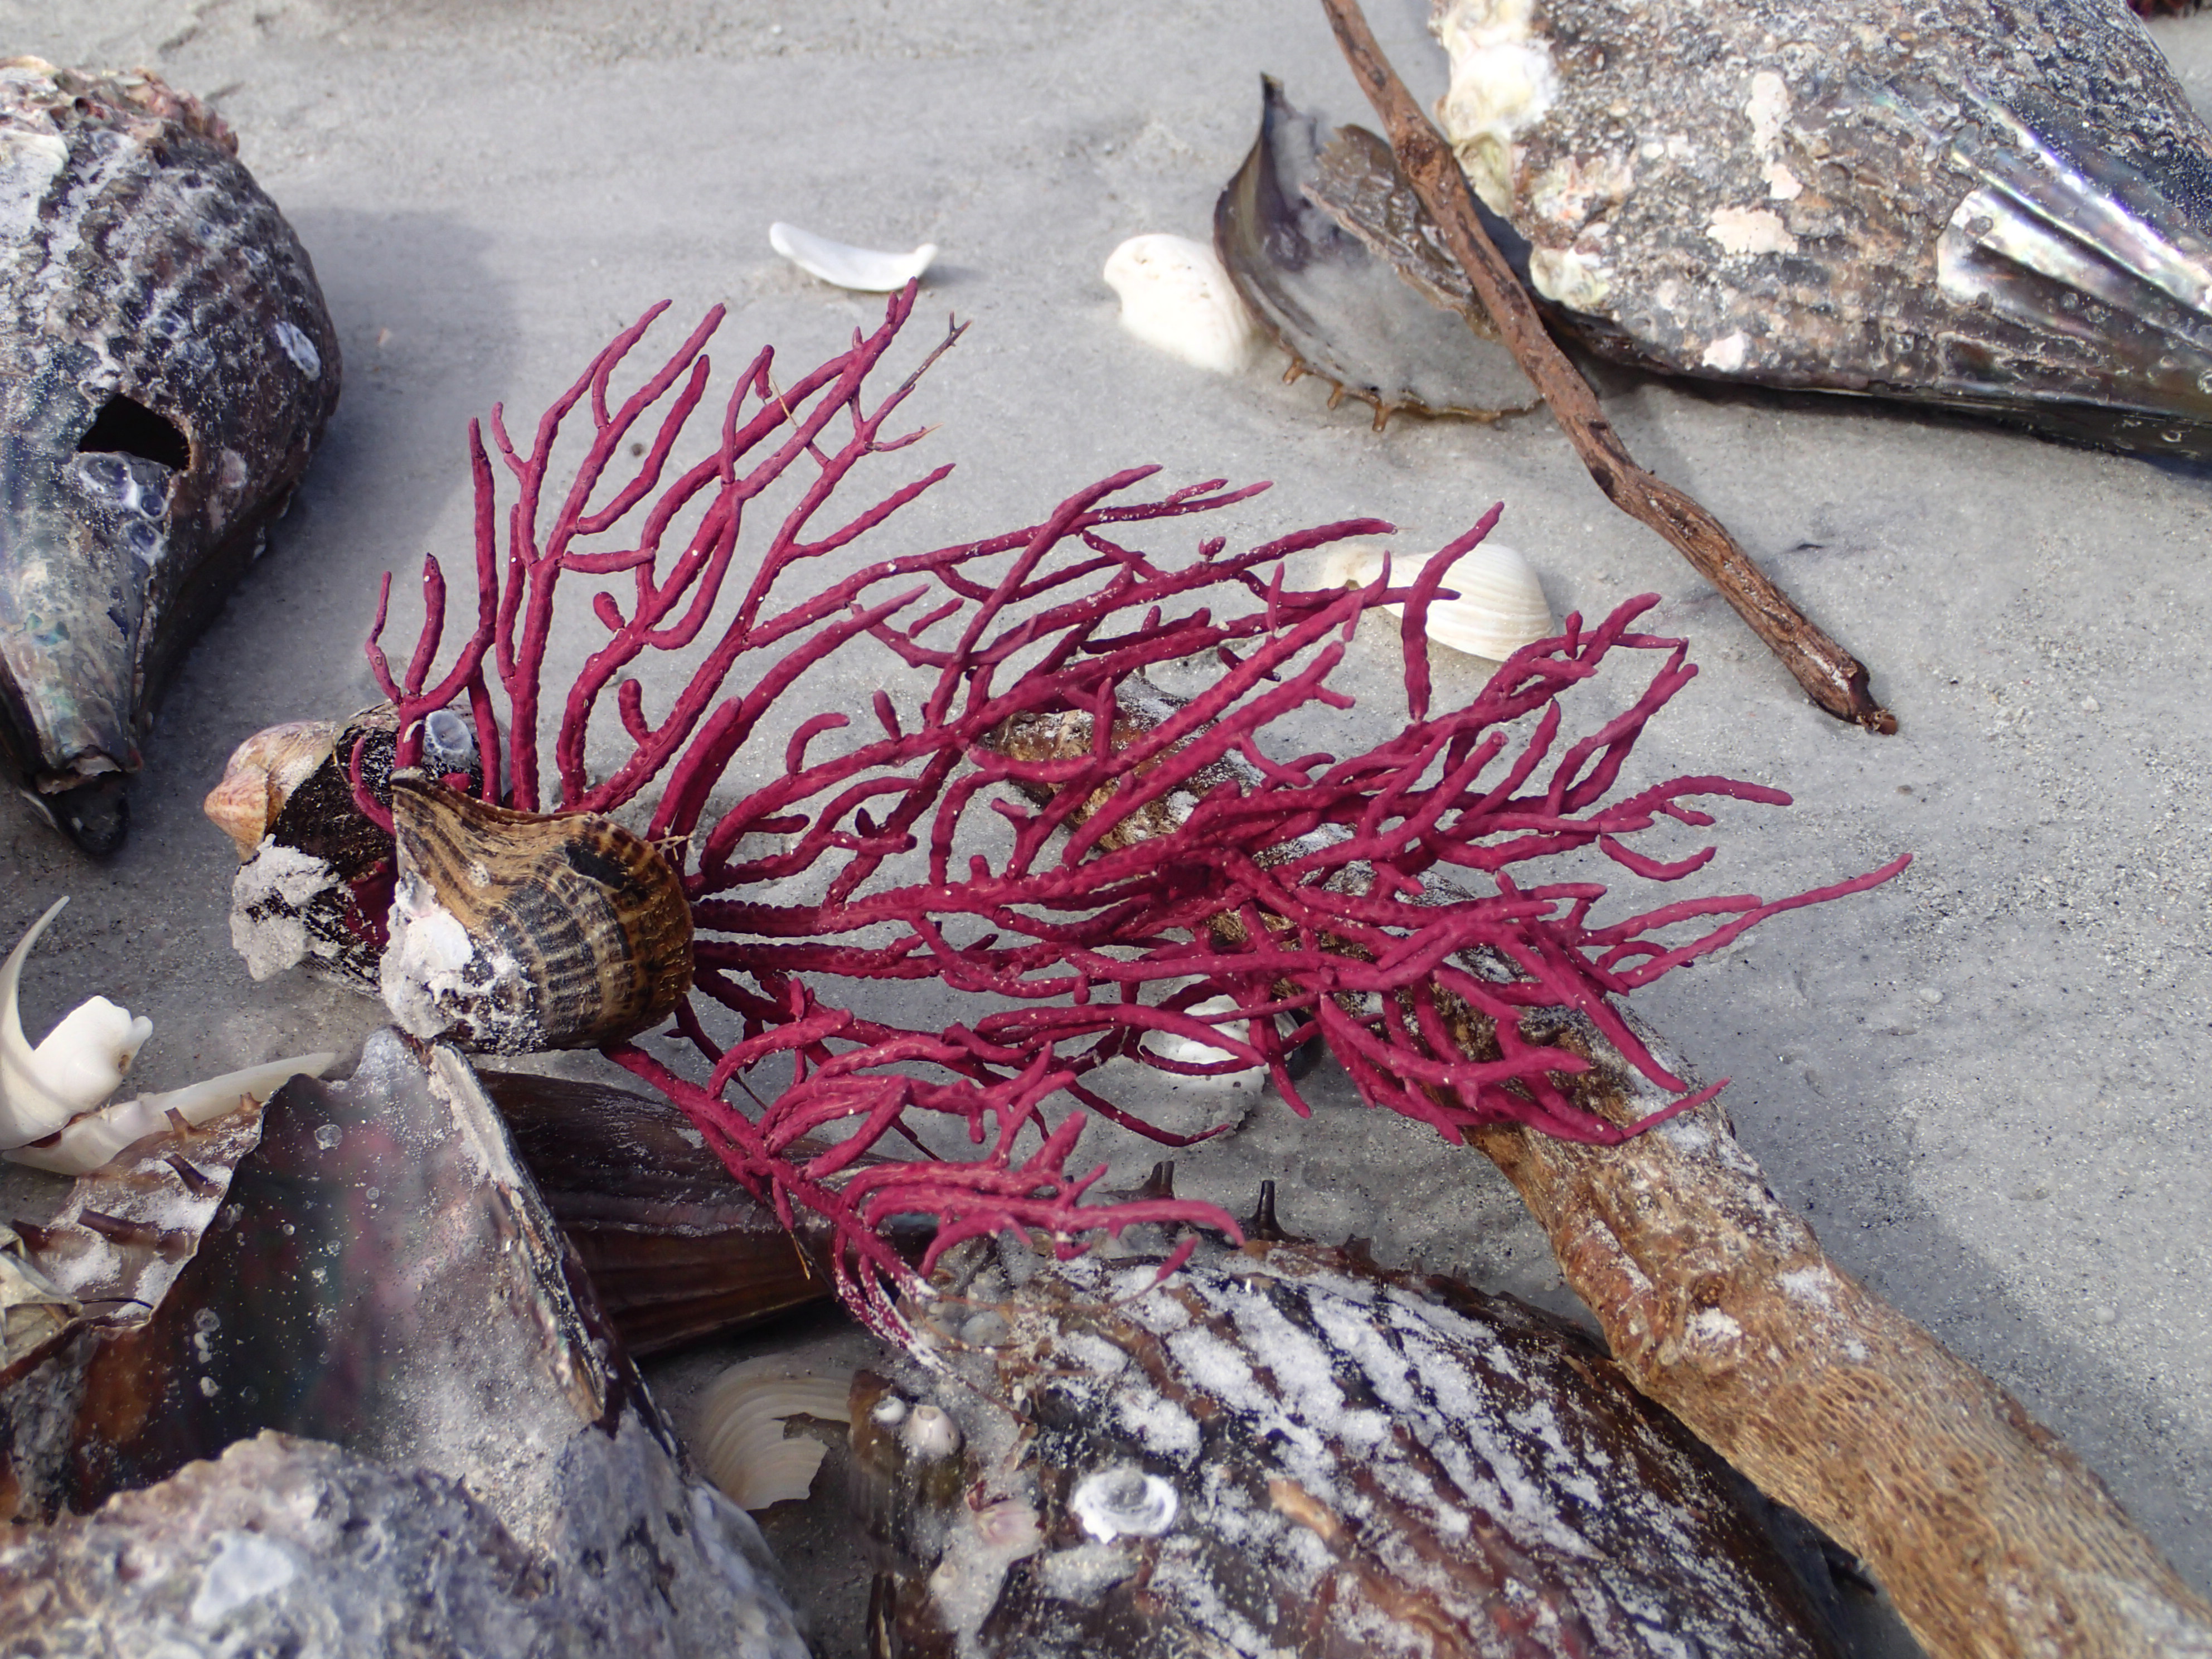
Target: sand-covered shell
[1176,298]
[167,366]
[1287,1450]
[512,932]
[1498,604]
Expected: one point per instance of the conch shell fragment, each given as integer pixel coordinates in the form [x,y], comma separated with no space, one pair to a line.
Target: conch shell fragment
[77,1065]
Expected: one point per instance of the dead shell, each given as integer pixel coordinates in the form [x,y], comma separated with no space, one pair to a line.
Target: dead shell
[513,931]
[740,1439]
[262,775]
[1176,298]
[1500,606]
[1286,1449]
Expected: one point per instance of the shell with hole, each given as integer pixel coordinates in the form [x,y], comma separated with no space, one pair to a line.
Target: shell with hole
[1500,608]
[512,932]
[1176,298]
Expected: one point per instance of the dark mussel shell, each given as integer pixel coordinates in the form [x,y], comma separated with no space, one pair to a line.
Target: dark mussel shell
[1287,1450]
[676,1251]
[1340,310]
[385,1278]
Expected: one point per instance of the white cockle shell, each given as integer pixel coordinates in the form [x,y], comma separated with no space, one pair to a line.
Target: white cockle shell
[865,269]
[1500,606]
[79,1064]
[1176,297]
[740,1438]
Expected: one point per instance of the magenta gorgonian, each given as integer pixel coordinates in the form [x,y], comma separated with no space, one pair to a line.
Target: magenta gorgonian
[1083,864]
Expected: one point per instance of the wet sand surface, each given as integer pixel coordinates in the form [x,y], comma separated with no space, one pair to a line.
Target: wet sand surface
[1983,1083]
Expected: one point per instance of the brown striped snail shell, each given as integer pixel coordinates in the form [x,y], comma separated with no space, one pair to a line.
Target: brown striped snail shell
[516,932]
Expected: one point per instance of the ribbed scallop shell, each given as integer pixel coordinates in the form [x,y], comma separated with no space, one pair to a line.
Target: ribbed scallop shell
[513,931]
[1499,605]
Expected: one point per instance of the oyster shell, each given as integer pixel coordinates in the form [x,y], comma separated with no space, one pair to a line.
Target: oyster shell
[166,365]
[2001,208]
[1288,1450]
[512,932]
[1340,310]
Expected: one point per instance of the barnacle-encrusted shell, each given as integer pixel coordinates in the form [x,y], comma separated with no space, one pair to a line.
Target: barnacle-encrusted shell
[263,773]
[513,931]
[1500,605]
[1176,298]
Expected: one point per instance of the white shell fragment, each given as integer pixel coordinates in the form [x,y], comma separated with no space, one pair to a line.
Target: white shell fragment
[95,1138]
[740,1434]
[79,1064]
[1500,606]
[1176,297]
[864,270]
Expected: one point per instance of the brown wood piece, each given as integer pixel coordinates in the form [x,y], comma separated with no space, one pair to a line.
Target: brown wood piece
[1991,1536]
[1831,676]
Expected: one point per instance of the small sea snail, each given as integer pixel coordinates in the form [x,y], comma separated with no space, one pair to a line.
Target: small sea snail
[515,931]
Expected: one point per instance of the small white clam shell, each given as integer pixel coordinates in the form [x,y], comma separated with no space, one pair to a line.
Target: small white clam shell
[741,1440]
[865,269]
[1176,297]
[1500,608]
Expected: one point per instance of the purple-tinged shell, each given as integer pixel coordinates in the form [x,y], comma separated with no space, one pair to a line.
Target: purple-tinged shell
[1286,1450]
[166,365]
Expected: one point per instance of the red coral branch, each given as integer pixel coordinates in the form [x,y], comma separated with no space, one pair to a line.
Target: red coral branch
[1111,874]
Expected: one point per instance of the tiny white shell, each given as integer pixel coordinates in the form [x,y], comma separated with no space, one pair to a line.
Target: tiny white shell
[862,268]
[1176,297]
[1500,608]
[740,1436]
[930,1434]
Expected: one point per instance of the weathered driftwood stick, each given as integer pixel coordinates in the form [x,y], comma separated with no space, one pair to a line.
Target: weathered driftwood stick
[1989,1533]
[1831,676]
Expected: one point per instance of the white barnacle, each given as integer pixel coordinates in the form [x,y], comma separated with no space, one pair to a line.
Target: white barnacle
[1123,1501]
[77,1065]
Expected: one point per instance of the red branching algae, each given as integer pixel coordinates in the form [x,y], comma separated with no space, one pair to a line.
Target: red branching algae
[1095,894]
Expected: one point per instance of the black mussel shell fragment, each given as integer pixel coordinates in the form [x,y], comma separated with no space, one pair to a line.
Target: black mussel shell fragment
[1340,311]
[1287,1450]
[676,1251]
[383,1276]
[167,366]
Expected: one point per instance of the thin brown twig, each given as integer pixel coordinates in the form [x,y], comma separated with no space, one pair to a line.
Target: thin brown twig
[1831,676]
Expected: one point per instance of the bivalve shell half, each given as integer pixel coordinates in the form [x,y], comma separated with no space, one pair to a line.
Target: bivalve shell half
[513,931]
[1499,605]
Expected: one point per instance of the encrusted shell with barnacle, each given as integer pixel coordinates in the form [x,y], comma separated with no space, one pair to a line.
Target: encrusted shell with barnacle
[1288,1450]
[516,932]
